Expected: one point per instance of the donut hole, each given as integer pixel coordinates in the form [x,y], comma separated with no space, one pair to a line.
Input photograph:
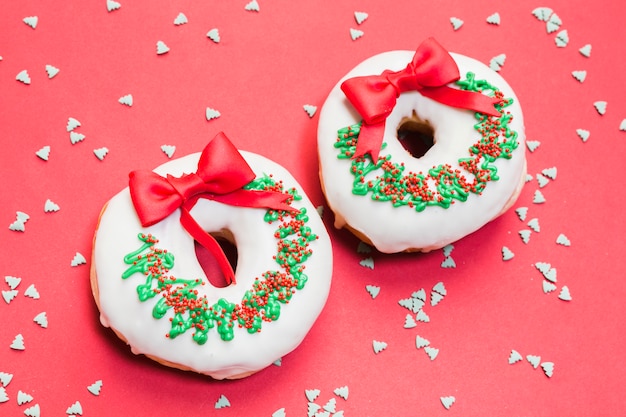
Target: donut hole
[208,262]
[416,136]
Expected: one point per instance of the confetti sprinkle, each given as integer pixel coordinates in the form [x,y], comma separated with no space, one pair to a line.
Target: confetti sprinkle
[32,292]
[494,19]
[126,100]
[74,409]
[9,295]
[554,23]
[422,316]
[112,5]
[447,250]
[525,235]
[548,287]
[331,406]
[543,267]
[212,113]
[585,51]
[52,71]
[420,294]
[23,398]
[565,294]
[279,413]
[31,21]
[550,275]
[548,368]
[420,342]
[3,395]
[162,48]
[497,62]
[342,392]
[95,388]
[76,137]
[561,239]
[532,145]
[253,6]
[18,344]
[33,411]
[521,213]
[50,206]
[41,319]
[379,346]
[19,225]
[181,19]
[367,263]
[278,362]
[72,124]
[360,17]
[562,39]
[355,34]
[514,357]
[542,13]
[372,290]
[431,352]
[310,109]
[222,402]
[214,35]
[440,288]
[313,408]
[78,259]
[542,180]
[363,247]
[448,263]
[311,394]
[550,173]
[447,401]
[101,153]
[23,77]
[600,107]
[622,125]
[538,197]
[583,134]
[456,23]
[435,298]
[409,322]
[12,282]
[507,254]
[579,75]
[534,360]
[412,304]
[5,378]
[529,178]
[43,153]
[534,224]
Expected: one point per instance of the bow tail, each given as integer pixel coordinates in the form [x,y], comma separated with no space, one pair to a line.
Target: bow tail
[463,99]
[370,140]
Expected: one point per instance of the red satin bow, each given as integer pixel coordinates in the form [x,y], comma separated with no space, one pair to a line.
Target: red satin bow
[221,174]
[431,69]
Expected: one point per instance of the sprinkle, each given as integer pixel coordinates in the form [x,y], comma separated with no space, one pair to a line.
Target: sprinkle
[43,153]
[363,248]
[579,75]
[521,212]
[420,342]
[342,392]
[112,5]
[222,402]
[548,368]
[447,401]
[5,378]
[95,387]
[253,6]
[9,295]
[514,357]
[162,48]
[409,322]
[50,206]
[543,267]
[550,275]
[78,259]
[32,292]
[538,198]
[367,263]
[440,288]
[600,107]
[168,150]
[12,282]
[379,346]
[181,19]
[422,316]
[360,17]
[534,224]
[448,263]
[494,19]
[101,153]
[525,235]
[542,180]
[278,362]
[532,145]
[372,290]
[18,344]
[548,287]
[562,39]
[212,113]
[529,178]
[447,250]
[76,137]
[533,360]
[41,319]
[311,394]
[497,62]
[3,395]
[585,51]
[542,13]
[413,304]
[310,109]
[23,77]
[561,239]
[583,134]
[23,398]
[456,23]
[279,413]
[355,34]
[127,100]
[74,409]
[31,21]
[214,35]
[312,409]
[622,125]
[431,352]
[565,294]
[420,294]
[435,298]
[331,405]
[33,411]
[507,254]
[554,23]
[52,71]
[550,173]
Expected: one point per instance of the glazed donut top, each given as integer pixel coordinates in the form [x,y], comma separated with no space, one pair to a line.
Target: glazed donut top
[153,291]
[463,181]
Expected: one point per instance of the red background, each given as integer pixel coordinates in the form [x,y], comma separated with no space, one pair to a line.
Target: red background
[267,66]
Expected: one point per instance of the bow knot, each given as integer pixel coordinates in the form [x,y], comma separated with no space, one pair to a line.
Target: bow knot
[431,69]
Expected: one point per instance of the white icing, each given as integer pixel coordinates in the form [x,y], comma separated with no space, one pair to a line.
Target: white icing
[392,229]
[256,245]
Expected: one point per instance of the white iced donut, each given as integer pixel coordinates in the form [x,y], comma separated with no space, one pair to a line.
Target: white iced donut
[152,290]
[473,171]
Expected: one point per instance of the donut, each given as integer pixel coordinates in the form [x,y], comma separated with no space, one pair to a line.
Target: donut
[152,290]
[413,156]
